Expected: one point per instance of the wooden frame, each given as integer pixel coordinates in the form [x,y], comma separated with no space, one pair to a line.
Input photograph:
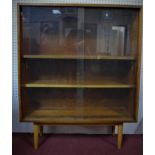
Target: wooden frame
[39,124]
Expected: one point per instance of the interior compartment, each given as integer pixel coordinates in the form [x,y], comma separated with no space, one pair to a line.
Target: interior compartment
[78,103]
[82,72]
[49,71]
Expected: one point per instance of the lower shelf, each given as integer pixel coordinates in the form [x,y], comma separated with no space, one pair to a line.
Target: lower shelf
[74,106]
[79,115]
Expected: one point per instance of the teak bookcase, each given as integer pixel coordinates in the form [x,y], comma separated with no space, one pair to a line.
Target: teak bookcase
[79,64]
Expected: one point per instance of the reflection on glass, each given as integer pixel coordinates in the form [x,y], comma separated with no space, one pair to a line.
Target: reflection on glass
[87,33]
[79,31]
[112,32]
[53,32]
[118,40]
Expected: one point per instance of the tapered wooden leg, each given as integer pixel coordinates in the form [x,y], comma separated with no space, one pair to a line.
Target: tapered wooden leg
[40,130]
[120,132]
[36,136]
[113,130]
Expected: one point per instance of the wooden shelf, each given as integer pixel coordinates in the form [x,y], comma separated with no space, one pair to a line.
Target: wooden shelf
[91,57]
[75,84]
[71,105]
[58,109]
[70,108]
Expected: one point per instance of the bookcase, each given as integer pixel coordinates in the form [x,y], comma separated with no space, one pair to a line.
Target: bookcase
[78,64]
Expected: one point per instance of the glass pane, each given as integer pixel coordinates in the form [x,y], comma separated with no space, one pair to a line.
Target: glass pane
[49,72]
[111,32]
[61,104]
[109,73]
[52,30]
[88,73]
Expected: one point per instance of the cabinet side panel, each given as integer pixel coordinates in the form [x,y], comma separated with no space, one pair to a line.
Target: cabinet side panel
[138,62]
[19,59]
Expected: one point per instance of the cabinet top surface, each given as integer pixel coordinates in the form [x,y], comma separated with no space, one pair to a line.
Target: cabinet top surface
[81,5]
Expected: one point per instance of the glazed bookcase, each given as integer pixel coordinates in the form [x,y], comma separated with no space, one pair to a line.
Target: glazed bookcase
[79,64]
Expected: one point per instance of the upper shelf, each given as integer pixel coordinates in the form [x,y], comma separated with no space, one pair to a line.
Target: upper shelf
[76,84]
[89,57]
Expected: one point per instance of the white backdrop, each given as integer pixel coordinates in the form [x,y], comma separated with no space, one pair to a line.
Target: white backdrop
[129,128]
